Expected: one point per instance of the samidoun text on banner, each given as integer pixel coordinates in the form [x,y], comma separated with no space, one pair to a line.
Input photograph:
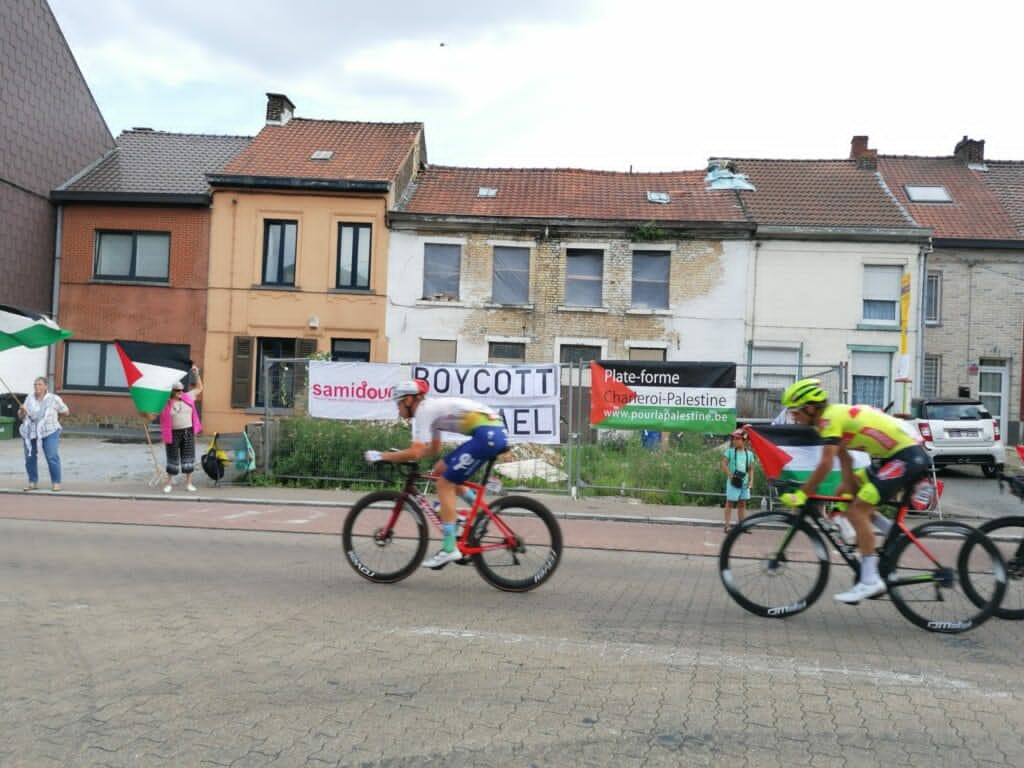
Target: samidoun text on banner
[526,396]
[356,391]
[673,396]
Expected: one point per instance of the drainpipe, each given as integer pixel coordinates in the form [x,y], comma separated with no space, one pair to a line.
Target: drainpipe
[51,358]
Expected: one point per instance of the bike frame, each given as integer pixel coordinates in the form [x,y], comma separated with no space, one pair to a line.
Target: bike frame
[412,493]
[848,551]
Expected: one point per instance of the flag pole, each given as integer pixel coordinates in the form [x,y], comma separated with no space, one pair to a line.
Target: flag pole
[152,451]
[10,391]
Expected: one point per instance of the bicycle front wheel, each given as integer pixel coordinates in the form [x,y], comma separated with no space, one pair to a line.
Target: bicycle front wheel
[521,549]
[774,564]
[950,581]
[385,537]
[1007,533]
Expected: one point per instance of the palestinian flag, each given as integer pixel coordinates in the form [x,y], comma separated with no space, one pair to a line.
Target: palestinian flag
[151,370]
[792,452]
[691,396]
[22,328]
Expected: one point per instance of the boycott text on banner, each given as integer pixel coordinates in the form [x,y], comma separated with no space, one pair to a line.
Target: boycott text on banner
[353,390]
[674,396]
[527,396]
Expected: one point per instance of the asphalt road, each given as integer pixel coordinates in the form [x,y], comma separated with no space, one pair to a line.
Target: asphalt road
[167,646]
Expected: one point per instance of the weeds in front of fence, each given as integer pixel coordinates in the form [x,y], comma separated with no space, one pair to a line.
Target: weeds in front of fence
[325,453]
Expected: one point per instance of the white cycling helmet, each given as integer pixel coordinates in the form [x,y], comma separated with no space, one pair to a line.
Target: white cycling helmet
[410,387]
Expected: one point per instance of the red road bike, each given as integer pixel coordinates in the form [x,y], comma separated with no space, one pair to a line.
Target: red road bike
[514,542]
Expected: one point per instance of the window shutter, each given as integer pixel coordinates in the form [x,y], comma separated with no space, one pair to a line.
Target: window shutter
[241,372]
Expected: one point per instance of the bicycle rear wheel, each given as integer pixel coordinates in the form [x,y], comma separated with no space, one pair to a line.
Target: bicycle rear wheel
[534,554]
[384,537]
[774,564]
[955,592]
[1007,533]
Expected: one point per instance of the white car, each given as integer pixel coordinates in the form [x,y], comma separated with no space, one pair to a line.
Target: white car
[958,431]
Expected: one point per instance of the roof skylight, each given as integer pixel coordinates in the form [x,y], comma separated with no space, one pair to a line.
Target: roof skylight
[322,154]
[657,197]
[927,193]
[487,192]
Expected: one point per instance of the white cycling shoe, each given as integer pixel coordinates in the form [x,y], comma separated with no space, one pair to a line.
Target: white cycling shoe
[860,591]
[442,558]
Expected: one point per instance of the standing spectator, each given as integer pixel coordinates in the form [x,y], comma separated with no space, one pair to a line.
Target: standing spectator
[738,465]
[179,425]
[40,424]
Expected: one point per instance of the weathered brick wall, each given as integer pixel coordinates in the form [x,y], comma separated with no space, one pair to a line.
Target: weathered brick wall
[981,316]
[51,128]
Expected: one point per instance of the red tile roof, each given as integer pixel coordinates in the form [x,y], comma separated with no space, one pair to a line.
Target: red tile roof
[362,151]
[819,193]
[975,211]
[1006,180]
[570,194]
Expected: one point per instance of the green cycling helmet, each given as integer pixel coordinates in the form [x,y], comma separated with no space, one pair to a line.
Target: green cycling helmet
[803,392]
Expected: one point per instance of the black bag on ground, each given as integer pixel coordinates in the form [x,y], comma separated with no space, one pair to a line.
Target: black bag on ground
[211,465]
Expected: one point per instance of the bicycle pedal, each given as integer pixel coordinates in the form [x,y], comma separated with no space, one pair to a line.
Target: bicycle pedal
[438,567]
[463,561]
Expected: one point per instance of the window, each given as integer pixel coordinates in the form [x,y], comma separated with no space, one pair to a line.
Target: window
[650,279]
[882,294]
[933,298]
[94,365]
[871,378]
[662,198]
[930,376]
[506,352]
[437,351]
[354,256]
[578,353]
[646,353]
[927,193]
[140,256]
[441,266]
[511,283]
[584,271]
[350,350]
[279,238]
[773,367]
[280,378]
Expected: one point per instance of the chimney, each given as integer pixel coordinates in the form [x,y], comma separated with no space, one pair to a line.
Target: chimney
[866,159]
[279,109]
[970,151]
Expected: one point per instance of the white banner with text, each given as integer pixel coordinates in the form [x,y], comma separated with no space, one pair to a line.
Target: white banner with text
[353,390]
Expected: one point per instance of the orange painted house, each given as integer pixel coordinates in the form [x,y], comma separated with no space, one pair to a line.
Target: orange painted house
[298,262]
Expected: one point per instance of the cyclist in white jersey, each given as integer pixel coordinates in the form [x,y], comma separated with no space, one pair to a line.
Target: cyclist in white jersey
[487,438]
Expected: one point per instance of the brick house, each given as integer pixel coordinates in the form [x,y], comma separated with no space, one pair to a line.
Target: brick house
[299,253]
[135,234]
[51,127]
[975,273]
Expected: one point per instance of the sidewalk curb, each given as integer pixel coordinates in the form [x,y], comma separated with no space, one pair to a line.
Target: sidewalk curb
[198,497]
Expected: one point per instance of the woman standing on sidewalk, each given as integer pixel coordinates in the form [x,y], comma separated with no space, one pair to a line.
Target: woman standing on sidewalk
[179,425]
[40,425]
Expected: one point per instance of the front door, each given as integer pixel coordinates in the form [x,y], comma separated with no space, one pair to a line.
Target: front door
[993,389]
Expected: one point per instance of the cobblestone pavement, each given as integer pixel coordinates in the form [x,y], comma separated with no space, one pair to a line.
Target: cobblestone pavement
[167,646]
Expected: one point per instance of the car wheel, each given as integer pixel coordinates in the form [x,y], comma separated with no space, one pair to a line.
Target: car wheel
[991,470]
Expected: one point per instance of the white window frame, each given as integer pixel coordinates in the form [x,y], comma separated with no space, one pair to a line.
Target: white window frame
[933,298]
[882,286]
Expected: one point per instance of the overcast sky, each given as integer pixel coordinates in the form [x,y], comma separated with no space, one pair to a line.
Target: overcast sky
[607,84]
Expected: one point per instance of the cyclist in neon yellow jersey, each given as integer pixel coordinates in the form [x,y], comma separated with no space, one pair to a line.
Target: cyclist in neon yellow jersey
[864,428]
[487,438]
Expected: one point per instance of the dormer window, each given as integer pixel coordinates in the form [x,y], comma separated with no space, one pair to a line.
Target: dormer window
[322,154]
[931,193]
[661,198]
[487,192]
